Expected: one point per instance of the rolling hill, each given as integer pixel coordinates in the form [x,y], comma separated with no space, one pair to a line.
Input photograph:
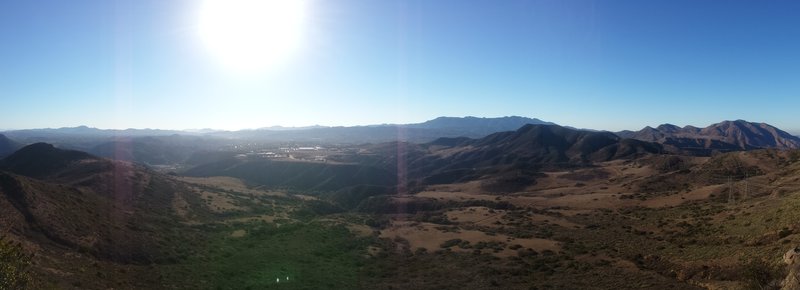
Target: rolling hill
[42,160]
[80,202]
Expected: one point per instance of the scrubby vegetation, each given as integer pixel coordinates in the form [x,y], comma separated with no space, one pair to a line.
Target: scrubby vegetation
[14,265]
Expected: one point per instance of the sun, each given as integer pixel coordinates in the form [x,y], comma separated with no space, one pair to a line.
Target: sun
[251,35]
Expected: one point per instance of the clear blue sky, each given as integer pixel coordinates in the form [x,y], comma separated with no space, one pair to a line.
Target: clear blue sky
[593,64]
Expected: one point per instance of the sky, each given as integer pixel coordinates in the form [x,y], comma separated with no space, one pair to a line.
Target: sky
[610,65]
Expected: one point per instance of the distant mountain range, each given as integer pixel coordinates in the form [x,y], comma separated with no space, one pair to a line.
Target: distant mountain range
[724,136]
[472,127]
[475,123]
[89,131]
[154,147]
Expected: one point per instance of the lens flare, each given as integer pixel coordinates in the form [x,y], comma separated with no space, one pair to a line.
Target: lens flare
[250,35]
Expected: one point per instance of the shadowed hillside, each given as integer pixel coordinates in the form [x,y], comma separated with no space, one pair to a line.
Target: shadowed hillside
[7,146]
[305,176]
[155,150]
[550,144]
[104,208]
[42,160]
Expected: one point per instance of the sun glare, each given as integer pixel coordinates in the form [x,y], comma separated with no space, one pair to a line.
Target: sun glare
[251,35]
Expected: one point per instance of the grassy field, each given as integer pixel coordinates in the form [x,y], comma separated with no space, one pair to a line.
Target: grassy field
[263,240]
[259,255]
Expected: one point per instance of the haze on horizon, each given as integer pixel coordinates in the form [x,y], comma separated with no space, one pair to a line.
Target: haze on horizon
[205,64]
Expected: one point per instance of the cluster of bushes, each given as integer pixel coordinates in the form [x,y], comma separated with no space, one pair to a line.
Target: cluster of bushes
[509,183]
[760,274]
[14,266]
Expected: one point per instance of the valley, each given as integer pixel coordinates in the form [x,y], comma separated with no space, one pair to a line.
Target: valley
[543,207]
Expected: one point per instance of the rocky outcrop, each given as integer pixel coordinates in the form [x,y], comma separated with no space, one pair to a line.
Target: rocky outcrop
[792,260]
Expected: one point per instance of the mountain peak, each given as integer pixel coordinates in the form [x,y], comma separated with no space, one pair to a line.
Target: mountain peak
[738,122]
[725,135]
[668,128]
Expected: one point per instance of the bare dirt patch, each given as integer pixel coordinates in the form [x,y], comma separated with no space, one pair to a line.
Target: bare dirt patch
[305,197]
[238,233]
[360,230]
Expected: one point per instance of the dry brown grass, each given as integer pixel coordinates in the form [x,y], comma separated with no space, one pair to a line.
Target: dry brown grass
[229,183]
[431,236]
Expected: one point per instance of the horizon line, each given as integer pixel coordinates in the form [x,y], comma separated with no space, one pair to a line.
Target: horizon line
[201,130]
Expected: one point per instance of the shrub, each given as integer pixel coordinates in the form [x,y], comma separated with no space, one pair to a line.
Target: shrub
[450,243]
[785,232]
[760,274]
[14,265]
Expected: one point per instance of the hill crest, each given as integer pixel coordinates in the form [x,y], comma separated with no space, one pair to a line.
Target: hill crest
[41,160]
[725,136]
